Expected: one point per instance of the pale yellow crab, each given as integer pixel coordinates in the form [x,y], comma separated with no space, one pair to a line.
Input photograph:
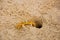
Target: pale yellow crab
[21,24]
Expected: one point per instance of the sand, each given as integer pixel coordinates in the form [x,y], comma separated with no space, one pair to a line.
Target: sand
[15,11]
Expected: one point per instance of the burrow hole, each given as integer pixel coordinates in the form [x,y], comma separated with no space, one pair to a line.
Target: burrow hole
[39,24]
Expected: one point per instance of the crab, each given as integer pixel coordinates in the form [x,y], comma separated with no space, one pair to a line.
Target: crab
[21,24]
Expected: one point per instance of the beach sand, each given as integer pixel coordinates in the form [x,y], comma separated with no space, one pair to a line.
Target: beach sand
[15,11]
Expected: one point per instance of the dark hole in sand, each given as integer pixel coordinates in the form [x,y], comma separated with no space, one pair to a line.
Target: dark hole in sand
[38,24]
